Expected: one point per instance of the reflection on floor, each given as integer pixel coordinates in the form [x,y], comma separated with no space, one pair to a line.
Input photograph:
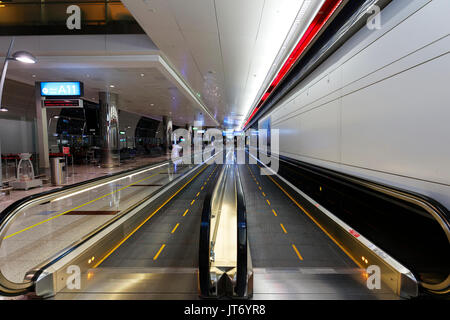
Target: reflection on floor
[76,174]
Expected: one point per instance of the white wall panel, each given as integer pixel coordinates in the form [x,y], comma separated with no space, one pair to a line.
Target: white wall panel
[379,106]
[17,136]
[400,125]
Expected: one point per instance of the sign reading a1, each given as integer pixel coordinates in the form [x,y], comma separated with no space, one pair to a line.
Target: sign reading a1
[61,89]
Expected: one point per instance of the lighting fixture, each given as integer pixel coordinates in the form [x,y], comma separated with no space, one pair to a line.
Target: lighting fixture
[24,56]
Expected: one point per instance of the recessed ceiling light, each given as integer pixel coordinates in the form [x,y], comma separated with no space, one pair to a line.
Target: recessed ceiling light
[3,109]
[152,104]
[34,76]
[142,74]
[111,86]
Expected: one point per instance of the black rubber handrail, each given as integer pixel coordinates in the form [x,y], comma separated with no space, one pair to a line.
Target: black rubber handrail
[378,187]
[15,205]
[403,197]
[204,260]
[9,288]
[242,254]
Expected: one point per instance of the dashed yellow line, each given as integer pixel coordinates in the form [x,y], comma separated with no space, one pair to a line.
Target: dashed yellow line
[159,252]
[185,213]
[174,229]
[317,223]
[146,219]
[274,213]
[268,202]
[202,188]
[263,194]
[198,194]
[282,227]
[192,202]
[297,252]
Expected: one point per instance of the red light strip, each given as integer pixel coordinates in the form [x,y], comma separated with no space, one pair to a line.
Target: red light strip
[324,14]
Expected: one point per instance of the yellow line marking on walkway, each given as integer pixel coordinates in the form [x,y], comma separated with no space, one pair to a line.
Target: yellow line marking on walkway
[317,223]
[174,229]
[263,194]
[201,188]
[159,252]
[192,202]
[282,227]
[297,252]
[148,218]
[185,213]
[198,194]
[268,202]
[274,213]
[85,204]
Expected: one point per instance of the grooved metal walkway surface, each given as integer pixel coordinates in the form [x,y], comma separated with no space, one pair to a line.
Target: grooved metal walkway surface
[293,258]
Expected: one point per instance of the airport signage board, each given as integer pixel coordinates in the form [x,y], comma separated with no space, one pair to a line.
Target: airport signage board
[66,150]
[62,89]
[62,103]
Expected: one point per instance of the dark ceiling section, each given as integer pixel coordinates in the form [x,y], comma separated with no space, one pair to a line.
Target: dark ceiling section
[35,17]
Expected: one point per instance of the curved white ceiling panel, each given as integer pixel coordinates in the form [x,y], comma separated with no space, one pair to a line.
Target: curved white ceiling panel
[224,49]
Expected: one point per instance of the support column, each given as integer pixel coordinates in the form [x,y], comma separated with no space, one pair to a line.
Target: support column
[189,129]
[42,132]
[109,128]
[167,133]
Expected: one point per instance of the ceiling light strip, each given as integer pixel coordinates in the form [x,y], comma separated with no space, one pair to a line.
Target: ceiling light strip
[294,35]
[187,89]
[324,14]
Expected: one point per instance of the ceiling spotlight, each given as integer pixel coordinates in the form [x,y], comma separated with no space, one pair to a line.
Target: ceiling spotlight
[34,76]
[152,104]
[3,110]
[142,74]
[24,56]
[111,86]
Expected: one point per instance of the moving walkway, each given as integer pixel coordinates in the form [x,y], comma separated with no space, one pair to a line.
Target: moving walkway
[179,231]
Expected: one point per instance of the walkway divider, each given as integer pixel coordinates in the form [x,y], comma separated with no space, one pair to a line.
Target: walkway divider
[225,268]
